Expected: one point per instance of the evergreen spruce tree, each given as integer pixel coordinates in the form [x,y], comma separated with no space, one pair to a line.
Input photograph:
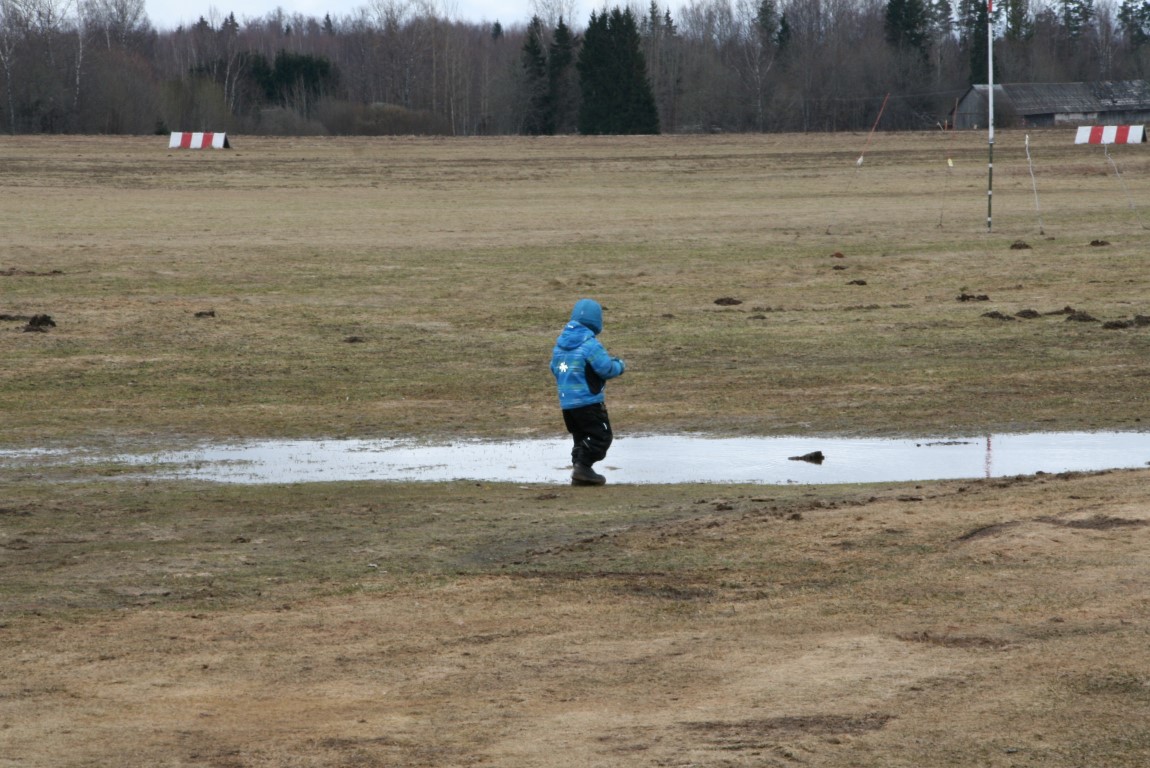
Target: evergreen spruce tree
[562,88]
[973,15]
[663,54]
[907,25]
[1076,16]
[230,27]
[767,22]
[783,37]
[1019,25]
[1134,20]
[617,97]
[595,85]
[534,57]
[940,15]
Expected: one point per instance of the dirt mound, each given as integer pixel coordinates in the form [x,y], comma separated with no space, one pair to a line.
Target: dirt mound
[39,324]
[14,272]
[1098,523]
[954,641]
[736,734]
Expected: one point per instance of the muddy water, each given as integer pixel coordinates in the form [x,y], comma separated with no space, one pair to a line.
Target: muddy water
[642,459]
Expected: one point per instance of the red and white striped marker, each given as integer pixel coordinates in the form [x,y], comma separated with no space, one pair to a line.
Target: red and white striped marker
[199,140]
[1110,134]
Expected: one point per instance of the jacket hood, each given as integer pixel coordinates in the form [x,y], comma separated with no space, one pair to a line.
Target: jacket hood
[587,312]
[572,335]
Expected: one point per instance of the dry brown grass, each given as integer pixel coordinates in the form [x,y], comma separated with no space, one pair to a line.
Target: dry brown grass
[456,262]
[980,623]
[983,623]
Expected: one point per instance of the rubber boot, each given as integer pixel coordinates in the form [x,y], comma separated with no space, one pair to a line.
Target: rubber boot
[584,475]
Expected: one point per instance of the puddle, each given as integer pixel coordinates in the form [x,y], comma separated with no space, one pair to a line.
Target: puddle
[641,459]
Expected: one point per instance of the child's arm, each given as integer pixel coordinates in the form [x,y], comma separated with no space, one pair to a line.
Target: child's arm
[602,363]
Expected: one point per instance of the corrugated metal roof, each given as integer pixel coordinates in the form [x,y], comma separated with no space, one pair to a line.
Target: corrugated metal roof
[1123,94]
[1062,98]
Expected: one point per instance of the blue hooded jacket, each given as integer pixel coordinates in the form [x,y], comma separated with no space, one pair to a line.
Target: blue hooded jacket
[579,362]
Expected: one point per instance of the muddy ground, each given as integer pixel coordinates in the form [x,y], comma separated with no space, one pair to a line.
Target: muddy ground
[982,623]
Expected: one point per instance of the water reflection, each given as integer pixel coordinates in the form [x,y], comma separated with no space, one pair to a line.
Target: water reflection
[643,459]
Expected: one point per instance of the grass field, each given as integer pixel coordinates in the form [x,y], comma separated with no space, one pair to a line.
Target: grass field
[455,262]
[413,287]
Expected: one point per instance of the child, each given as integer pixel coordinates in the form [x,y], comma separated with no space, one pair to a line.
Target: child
[581,366]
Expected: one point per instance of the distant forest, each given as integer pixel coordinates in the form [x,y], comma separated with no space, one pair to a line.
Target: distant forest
[98,66]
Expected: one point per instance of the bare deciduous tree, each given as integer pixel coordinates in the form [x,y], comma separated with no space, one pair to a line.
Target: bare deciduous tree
[118,21]
[550,11]
[13,28]
[404,65]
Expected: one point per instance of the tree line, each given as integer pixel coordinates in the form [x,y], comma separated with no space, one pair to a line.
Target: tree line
[399,67]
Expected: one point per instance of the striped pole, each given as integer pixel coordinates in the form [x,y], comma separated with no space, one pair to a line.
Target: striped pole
[990,104]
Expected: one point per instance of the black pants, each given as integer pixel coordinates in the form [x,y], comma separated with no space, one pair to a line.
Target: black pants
[591,430]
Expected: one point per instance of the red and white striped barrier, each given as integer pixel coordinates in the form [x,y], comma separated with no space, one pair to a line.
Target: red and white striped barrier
[1110,134]
[199,140]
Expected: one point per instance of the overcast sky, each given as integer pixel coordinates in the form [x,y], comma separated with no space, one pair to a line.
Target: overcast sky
[169,14]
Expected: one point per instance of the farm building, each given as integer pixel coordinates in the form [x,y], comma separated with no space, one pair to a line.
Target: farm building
[1044,105]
